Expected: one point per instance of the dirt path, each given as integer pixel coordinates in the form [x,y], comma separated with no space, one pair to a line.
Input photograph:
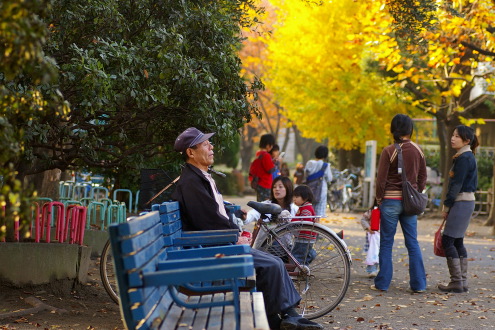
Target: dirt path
[89,307]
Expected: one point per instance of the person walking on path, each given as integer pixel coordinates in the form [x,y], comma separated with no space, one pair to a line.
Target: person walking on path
[312,167]
[458,207]
[389,199]
[262,167]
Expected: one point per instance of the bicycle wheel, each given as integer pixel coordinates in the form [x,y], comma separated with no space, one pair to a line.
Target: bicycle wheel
[327,266]
[107,273]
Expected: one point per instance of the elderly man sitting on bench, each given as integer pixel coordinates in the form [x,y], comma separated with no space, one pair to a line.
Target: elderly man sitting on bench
[202,208]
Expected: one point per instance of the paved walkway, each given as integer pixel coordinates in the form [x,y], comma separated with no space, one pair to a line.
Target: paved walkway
[363,308]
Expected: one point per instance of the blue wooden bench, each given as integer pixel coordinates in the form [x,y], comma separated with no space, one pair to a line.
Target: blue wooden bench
[150,267]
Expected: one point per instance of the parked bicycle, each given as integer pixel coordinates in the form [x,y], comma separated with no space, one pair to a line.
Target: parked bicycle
[321,276]
[321,272]
[107,273]
[344,192]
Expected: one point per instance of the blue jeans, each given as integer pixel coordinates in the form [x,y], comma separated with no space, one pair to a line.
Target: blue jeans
[391,214]
[303,252]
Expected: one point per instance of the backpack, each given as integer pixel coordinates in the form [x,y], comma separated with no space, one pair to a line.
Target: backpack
[253,178]
[314,182]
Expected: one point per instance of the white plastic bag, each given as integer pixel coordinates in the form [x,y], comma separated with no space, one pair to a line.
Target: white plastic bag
[374,249]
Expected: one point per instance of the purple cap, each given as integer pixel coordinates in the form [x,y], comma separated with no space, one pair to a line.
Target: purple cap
[189,138]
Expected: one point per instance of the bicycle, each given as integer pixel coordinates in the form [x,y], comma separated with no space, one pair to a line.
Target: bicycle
[322,276]
[322,281]
[107,273]
[343,193]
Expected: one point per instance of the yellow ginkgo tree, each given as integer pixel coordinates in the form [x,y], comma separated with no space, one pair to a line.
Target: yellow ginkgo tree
[318,70]
[439,73]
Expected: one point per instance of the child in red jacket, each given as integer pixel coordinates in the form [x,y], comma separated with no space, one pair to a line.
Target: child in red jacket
[303,247]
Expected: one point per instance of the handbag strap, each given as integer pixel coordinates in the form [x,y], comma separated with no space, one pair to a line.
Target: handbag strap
[318,174]
[400,166]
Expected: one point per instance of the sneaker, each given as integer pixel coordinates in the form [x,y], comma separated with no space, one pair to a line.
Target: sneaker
[416,291]
[373,287]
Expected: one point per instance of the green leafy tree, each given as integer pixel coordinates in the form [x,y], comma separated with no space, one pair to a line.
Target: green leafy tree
[24,69]
[135,73]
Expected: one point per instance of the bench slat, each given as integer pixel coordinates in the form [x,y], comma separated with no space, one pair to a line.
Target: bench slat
[209,252]
[131,245]
[216,313]
[201,320]
[229,320]
[143,256]
[260,320]
[189,315]
[165,207]
[145,222]
[170,217]
[172,227]
[205,240]
[247,319]
[147,263]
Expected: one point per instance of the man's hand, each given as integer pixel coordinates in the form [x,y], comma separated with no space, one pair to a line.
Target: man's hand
[244,240]
[241,214]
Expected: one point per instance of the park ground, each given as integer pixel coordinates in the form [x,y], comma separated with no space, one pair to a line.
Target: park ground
[88,306]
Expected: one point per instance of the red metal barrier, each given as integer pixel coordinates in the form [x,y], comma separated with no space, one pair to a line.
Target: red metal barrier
[36,228]
[46,215]
[82,225]
[76,217]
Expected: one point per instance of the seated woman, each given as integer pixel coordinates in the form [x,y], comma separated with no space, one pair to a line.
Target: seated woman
[281,193]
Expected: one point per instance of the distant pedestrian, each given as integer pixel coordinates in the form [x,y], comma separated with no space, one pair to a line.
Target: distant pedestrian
[458,206]
[275,153]
[299,174]
[284,170]
[315,170]
[262,167]
[389,198]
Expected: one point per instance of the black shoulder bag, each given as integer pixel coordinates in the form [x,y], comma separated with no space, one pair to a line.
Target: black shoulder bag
[413,202]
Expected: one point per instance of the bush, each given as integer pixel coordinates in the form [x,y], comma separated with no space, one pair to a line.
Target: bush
[227,185]
[485,169]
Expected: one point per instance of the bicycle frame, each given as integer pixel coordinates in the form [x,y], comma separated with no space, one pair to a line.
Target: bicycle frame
[272,231]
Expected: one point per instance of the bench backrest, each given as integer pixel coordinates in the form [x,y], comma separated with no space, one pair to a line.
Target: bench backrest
[171,222]
[138,246]
[143,242]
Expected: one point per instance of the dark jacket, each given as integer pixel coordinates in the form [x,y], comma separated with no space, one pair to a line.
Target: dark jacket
[463,177]
[199,210]
[389,181]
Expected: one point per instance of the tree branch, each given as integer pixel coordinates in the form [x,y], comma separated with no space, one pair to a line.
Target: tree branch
[478,49]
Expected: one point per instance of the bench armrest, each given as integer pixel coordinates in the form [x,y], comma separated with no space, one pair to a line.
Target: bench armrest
[210,232]
[205,240]
[209,252]
[177,272]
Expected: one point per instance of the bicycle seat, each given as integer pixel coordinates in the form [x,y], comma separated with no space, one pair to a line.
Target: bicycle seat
[266,208]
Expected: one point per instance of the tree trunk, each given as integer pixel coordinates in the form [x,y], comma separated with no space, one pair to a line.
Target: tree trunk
[445,129]
[491,216]
[247,146]
[305,147]
[46,183]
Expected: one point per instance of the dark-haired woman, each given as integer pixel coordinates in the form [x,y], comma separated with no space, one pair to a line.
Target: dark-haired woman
[389,199]
[459,206]
[281,194]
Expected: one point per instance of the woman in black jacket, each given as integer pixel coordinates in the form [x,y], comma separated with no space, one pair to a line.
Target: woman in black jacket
[459,206]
